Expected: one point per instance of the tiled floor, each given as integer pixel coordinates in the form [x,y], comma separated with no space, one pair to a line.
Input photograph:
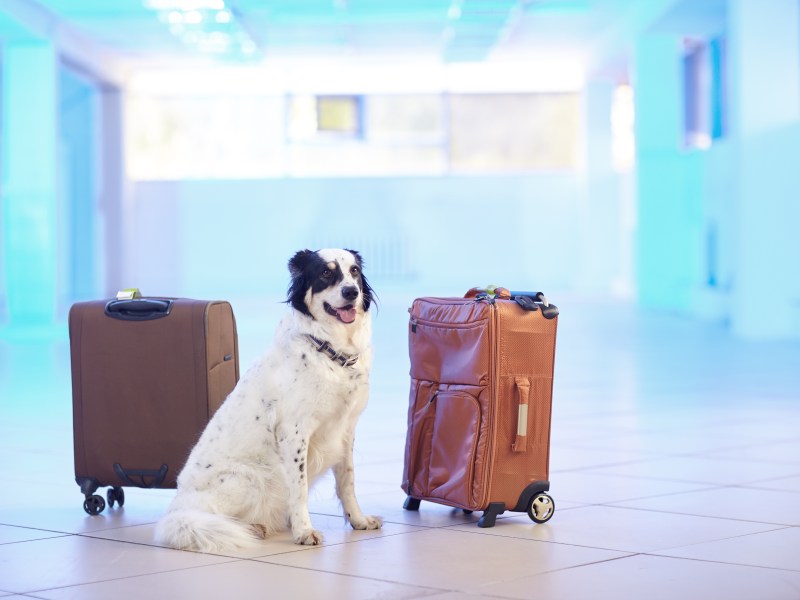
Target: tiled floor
[675,468]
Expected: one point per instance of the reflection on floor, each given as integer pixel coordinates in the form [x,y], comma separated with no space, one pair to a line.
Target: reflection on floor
[675,468]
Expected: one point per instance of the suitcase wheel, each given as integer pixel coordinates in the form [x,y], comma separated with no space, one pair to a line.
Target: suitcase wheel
[94,505]
[115,494]
[541,508]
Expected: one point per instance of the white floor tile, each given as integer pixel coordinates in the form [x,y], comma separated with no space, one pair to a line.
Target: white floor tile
[783,484]
[389,505]
[653,578]
[73,560]
[241,579]
[745,504]
[777,549]
[591,487]
[625,530]
[782,452]
[11,535]
[699,469]
[334,529]
[443,558]
[569,458]
[646,444]
[669,438]
[458,596]
[61,509]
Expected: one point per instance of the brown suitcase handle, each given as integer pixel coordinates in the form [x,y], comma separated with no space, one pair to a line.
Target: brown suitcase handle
[523,393]
[139,309]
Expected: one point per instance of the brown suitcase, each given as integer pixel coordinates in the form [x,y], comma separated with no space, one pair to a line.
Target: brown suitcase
[480,404]
[147,375]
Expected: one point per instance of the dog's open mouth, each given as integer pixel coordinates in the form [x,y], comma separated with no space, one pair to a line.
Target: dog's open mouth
[346,314]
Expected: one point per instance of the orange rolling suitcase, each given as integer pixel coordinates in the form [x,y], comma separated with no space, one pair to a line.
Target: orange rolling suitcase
[480,403]
[147,375]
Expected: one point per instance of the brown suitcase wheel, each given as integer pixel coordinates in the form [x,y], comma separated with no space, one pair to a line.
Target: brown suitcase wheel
[541,508]
[94,505]
[116,494]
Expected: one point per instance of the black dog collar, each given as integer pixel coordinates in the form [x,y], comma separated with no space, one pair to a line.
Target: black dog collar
[346,360]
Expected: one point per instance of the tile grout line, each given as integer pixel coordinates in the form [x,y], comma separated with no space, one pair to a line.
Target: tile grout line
[672,512]
[724,539]
[719,562]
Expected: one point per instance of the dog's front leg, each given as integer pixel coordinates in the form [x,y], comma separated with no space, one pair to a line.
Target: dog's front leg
[294,457]
[344,473]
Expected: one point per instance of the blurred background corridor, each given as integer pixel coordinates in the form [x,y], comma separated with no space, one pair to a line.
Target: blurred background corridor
[644,151]
[637,160]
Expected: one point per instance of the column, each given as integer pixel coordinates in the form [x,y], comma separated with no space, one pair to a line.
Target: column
[601,231]
[29,167]
[666,253]
[764,91]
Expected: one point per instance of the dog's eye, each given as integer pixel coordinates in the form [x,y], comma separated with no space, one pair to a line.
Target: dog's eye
[327,273]
[354,271]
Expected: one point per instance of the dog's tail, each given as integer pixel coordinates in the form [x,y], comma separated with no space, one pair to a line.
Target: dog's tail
[192,529]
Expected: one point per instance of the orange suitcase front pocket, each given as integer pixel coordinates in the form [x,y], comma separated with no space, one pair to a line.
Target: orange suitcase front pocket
[456,425]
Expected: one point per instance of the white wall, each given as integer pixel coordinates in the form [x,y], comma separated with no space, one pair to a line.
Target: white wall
[434,234]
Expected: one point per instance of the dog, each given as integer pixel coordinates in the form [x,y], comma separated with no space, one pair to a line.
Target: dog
[290,418]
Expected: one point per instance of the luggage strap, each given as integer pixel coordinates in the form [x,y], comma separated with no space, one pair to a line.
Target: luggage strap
[521,439]
[346,360]
[157,475]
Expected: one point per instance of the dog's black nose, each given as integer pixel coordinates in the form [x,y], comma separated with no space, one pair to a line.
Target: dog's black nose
[350,292]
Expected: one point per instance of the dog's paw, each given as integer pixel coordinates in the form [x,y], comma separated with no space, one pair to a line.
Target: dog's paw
[260,531]
[309,537]
[367,522]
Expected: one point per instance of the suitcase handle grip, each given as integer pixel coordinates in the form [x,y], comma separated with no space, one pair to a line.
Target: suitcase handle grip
[521,439]
[534,300]
[138,309]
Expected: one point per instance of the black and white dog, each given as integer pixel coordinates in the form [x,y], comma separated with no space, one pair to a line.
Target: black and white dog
[289,419]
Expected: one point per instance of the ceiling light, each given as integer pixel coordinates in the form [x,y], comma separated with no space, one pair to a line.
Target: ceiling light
[454,12]
[205,25]
[193,17]
[184,5]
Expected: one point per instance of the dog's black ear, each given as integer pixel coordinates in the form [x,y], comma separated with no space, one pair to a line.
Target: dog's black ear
[367,293]
[299,284]
[359,260]
[298,262]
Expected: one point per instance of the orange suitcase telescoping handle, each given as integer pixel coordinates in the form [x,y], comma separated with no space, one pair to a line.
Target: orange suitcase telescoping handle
[530,301]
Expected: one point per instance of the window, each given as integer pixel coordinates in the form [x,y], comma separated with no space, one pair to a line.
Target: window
[262,135]
[623,136]
[704,92]
[201,137]
[502,132]
[339,114]
[315,116]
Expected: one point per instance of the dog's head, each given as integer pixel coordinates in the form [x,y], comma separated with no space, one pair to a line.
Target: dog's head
[329,284]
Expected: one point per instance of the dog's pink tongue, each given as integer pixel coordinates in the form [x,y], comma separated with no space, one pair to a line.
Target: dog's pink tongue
[347,315]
